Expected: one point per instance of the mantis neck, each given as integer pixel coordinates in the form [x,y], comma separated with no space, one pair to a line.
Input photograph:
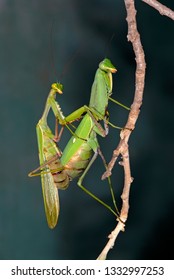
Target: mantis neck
[47,106]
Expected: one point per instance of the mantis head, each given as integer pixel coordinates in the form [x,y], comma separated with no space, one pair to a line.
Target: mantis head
[57,87]
[107,66]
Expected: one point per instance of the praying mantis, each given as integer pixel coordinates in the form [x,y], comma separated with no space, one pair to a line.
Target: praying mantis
[57,169]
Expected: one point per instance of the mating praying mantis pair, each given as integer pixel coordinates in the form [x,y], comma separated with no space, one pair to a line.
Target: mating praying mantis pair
[57,169]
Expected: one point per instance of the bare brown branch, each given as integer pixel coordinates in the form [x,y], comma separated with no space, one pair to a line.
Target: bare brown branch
[122,148]
[134,37]
[162,9]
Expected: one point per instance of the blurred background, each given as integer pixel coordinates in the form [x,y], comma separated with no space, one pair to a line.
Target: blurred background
[35,36]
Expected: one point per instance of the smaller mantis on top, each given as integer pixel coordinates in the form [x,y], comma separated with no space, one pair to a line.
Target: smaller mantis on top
[57,169]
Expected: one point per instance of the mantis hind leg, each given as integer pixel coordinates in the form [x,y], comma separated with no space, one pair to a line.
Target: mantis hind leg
[80,181]
[109,180]
[34,174]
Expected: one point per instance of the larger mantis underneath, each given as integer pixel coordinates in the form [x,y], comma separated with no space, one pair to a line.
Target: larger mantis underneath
[57,168]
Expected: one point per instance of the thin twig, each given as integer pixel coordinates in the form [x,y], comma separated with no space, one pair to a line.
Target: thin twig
[122,148]
[125,208]
[162,9]
[110,244]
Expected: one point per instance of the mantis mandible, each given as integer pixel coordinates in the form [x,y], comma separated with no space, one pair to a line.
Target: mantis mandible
[57,168]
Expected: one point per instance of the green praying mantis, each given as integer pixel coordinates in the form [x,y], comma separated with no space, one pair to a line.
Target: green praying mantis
[57,169]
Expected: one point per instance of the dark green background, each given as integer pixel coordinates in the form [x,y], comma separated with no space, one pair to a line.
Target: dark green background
[26,72]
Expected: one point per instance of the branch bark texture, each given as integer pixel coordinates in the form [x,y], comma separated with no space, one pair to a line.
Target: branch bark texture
[162,9]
